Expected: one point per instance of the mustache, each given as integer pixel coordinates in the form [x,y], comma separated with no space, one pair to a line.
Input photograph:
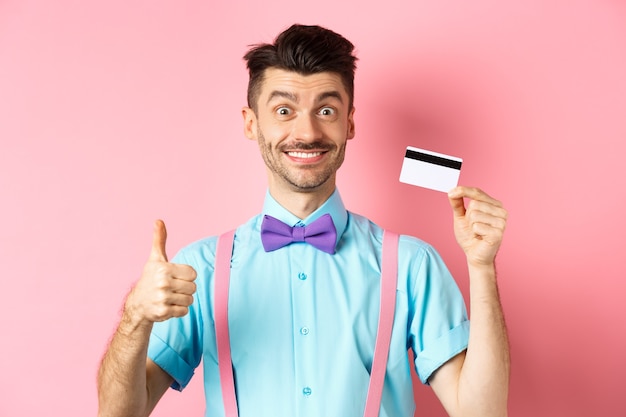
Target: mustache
[300,146]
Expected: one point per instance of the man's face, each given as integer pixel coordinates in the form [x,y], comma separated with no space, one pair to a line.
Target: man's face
[302,123]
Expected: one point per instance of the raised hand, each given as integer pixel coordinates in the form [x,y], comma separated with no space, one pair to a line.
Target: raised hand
[165,290]
[479,227]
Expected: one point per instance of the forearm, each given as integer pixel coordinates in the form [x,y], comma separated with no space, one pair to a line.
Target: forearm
[122,388]
[484,378]
[128,383]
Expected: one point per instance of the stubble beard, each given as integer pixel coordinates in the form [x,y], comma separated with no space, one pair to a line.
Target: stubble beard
[314,176]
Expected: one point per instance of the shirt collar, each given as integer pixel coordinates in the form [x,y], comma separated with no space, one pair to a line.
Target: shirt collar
[333,206]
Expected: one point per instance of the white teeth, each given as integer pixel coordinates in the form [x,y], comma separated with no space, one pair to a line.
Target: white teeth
[304,154]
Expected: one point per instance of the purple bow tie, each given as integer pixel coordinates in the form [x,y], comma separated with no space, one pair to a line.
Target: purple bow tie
[321,233]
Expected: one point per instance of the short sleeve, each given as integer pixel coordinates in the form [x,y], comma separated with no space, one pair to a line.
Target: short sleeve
[438,322]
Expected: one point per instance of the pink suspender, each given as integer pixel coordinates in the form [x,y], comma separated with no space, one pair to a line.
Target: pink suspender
[385,322]
[223,253]
[388,287]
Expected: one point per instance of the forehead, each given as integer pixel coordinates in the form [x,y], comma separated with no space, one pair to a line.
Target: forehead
[300,86]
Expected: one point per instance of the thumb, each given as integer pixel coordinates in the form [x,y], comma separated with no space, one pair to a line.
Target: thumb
[159,237]
[455,196]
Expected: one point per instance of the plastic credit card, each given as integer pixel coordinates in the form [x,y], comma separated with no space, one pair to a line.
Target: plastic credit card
[429,169]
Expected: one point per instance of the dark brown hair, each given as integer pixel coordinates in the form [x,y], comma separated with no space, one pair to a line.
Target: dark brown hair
[305,50]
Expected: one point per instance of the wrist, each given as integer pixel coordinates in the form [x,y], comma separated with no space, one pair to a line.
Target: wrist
[132,318]
[482,271]
[133,326]
[484,267]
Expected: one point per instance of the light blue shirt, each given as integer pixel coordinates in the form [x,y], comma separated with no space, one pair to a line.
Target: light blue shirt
[303,322]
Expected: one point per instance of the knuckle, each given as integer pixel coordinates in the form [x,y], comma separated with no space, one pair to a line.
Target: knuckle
[163,283]
[161,299]
[162,312]
[162,269]
[180,312]
[192,272]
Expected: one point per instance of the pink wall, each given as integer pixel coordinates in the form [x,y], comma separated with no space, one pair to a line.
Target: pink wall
[116,113]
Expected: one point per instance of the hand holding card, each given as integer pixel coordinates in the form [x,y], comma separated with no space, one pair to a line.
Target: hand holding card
[431,170]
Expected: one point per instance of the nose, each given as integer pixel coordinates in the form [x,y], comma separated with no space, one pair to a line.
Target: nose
[306,128]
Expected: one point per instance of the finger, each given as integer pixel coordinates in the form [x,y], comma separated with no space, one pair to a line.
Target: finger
[179,300]
[477,217]
[474,194]
[457,204]
[179,311]
[159,236]
[183,272]
[165,312]
[486,208]
[178,286]
[487,233]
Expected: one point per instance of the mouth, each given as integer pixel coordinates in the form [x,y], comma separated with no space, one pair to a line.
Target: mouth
[304,155]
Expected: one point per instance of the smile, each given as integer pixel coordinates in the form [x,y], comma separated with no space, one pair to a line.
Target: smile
[304,154]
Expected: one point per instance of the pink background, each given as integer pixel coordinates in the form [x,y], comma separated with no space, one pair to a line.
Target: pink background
[115,113]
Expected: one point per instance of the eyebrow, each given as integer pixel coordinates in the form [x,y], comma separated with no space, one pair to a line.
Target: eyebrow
[284,94]
[293,97]
[330,94]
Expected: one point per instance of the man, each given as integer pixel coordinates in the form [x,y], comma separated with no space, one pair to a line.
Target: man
[302,320]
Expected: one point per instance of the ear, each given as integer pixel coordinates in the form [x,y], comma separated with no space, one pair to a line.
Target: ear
[351,129]
[249,123]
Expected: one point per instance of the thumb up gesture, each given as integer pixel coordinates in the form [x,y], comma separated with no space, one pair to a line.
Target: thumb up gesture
[165,290]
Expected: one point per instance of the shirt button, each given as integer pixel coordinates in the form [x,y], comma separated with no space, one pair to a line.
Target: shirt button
[302,276]
[306,391]
[304,330]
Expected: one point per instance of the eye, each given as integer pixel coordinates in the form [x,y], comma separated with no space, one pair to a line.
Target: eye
[327,111]
[283,111]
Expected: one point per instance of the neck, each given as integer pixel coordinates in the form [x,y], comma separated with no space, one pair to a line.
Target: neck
[302,203]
